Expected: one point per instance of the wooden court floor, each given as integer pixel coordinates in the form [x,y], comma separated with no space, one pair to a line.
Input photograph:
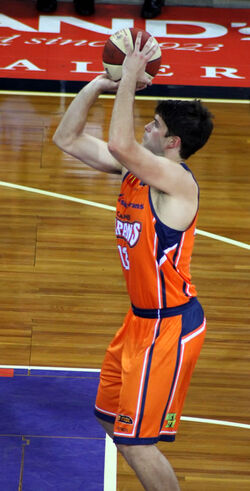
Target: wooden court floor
[62,294]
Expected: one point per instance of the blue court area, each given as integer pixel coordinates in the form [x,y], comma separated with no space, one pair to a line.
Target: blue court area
[49,438]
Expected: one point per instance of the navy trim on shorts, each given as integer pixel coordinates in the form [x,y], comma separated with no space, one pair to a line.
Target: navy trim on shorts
[162,313]
[167,438]
[105,417]
[122,440]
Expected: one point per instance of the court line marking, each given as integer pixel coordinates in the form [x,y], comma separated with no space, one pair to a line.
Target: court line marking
[237,243]
[51,194]
[111,96]
[56,195]
[110,465]
[62,369]
[216,422]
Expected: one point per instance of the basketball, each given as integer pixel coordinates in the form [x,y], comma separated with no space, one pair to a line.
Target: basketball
[114,53]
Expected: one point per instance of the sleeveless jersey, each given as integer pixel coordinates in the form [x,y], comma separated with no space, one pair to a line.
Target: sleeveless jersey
[155,258]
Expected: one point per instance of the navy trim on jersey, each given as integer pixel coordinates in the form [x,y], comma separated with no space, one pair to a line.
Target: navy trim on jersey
[185,166]
[126,175]
[177,252]
[184,289]
[167,312]
[167,238]
[163,290]
[171,231]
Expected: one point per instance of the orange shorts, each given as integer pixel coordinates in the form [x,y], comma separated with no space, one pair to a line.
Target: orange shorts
[147,370]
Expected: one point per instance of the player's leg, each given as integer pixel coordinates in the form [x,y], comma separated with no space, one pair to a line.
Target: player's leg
[151,467]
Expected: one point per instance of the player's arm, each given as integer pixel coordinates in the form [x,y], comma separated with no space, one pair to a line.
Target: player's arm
[71,136]
[159,172]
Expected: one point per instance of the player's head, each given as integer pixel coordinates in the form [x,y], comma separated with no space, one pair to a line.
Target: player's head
[189,120]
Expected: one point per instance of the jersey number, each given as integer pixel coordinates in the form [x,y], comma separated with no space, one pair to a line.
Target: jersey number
[124,256]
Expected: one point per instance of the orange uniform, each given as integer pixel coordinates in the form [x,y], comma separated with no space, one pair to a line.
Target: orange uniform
[148,366]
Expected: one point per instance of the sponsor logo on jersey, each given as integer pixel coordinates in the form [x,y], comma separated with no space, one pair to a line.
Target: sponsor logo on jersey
[124,419]
[130,232]
[138,206]
[123,217]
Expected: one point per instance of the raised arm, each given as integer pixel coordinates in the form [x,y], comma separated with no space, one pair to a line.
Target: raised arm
[71,137]
[153,168]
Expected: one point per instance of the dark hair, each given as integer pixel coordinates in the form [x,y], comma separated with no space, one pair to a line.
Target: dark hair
[189,120]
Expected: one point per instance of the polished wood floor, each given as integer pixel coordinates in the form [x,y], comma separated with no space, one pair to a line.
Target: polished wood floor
[62,294]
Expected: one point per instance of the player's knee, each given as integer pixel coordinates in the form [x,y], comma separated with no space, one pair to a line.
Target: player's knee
[133,452]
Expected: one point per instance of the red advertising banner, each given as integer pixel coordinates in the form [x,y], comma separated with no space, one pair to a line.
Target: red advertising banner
[200,46]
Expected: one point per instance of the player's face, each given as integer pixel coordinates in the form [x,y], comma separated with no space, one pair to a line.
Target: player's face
[154,137]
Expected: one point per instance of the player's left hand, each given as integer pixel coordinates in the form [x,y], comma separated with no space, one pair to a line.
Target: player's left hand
[106,84]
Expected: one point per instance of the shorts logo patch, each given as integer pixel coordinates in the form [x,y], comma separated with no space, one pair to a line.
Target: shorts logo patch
[170,420]
[124,419]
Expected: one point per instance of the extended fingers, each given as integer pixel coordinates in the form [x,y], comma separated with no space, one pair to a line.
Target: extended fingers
[150,47]
[127,45]
[138,41]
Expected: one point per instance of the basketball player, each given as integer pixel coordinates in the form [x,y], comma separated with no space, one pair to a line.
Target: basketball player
[148,366]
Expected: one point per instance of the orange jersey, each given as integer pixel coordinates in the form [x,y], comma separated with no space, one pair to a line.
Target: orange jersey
[155,258]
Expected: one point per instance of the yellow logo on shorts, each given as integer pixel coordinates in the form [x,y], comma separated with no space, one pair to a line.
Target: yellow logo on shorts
[170,420]
[124,419]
